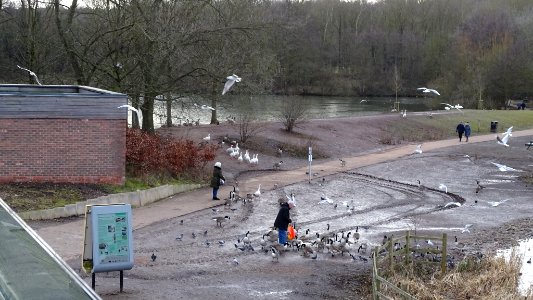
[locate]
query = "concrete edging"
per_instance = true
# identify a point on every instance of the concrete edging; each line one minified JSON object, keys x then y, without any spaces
{"x":136,"y":199}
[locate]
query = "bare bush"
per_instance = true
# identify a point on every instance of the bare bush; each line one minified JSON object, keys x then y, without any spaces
{"x":293,"y":112}
{"x":246,"y":121}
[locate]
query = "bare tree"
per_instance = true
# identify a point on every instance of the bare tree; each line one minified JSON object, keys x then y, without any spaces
{"x":247,"y":120}
{"x":293,"y":112}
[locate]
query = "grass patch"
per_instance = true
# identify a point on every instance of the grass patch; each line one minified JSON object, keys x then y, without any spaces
{"x":490,"y":278}
{"x":35,"y":196}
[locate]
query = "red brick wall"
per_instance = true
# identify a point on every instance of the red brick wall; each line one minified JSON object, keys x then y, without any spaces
{"x":62,"y":150}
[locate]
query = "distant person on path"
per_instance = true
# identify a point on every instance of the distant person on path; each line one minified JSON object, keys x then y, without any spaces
{"x":467,"y":130}
{"x":523,"y":105}
{"x":460,"y":130}
{"x":217,"y":180}
{"x":282,"y":221}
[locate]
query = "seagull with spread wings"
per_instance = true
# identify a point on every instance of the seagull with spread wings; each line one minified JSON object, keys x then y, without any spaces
{"x":229,"y":83}
{"x":137,"y":112}
{"x":456,"y":106}
{"x":31,"y":74}
{"x":426,"y":90}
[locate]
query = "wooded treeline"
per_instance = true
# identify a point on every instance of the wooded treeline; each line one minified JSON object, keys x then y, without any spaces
{"x":475,"y":52}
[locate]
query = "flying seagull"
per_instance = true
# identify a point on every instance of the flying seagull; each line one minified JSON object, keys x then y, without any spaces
{"x":504,"y":168}
{"x":138,"y":112}
{"x":207,"y":107}
{"x":426,"y":90}
{"x":31,"y":74}
{"x":456,"y":106}
{"x":505,"y":139}
{"x":496,"y":203}
{"x":229,"y":83}
{"x":466,"y":228}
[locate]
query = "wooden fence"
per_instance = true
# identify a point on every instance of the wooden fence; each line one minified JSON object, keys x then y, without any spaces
{"x":381,"y":287}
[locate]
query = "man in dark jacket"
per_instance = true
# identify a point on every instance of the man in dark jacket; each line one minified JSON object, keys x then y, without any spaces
{"x":460,"y":130}
{"x":282,"y":221}
{"x":217,"y":179}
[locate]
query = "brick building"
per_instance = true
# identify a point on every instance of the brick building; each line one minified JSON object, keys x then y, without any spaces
{"x":73,"y":134}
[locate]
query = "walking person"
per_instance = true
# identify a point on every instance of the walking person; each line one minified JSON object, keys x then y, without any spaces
{"x":283,"y":219}
{"x":467,"y":130}
{"x":460,"y":130}
{"x":217,"y":180}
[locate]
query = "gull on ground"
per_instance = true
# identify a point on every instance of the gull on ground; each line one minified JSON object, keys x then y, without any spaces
{"x":207,"y":138}
{"x":443,"y":187}
{"x":404,"y":113}
{"x":418,"y":149}
{"x":229,"y":83}
{"x":456,"y":106}
{"x":466,"y":228}
{"x":137,"y":112}
{"x":363,"y":100}
{"x":32,"y":74}
{"x":325,"y":199}
{"x":206,"y":107}
{"x":496,"y":203}
{"x":504,"y":168}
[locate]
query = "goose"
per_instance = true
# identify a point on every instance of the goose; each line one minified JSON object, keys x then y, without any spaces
{"x":220,"y":220}
{"x":280,"y":152}
{"x":230,"y":82}
{"x":529,"y":261}
{"x":254,"y":160}
{"x":404,"y":113}
{"x":356,"y":234}
{"x":466,"y":228}
{"x":277,"y":165}
{"x":421,"y":186}
{"x":258,"y":192}
{"x":230,"y":149}
{"x":418,"y":149}
{"x":153,"y":256}
{"x":443,"y":187}
{"x":240,"y":159}
{"x":247,"y":156}
{"x":234,"y":154}
{"x":343,"y":162}
{"x":458,"y":244}
{"x":263,"y":242}
{"x":208,"y":137}
{"x":237,"y":147}
{"x":275,"y":253}
{"x":32,"y":74}
{"x":245,"y":239}
{"x":479,"y":187}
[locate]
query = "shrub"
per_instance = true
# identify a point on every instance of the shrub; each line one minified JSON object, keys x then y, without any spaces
{"x":148,"y":154}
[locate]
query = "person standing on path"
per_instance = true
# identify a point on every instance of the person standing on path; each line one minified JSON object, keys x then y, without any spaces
{"x":283,"y":219}
{"x":467,"y":130}
{"x":460,"y":130}
{"x":217,"y":180}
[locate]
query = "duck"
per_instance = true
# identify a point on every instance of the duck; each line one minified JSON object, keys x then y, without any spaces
{"x":208,"y":137}
{"x":421,"y":186}
{"x":258,"y":192}
{"x":220,"y":220}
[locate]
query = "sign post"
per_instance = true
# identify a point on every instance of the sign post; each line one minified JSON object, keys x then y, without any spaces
{"x":310,"y":160}
{"x":108,"y":243}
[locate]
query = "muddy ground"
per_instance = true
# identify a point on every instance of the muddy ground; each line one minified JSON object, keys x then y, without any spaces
{"x":386,"y":199}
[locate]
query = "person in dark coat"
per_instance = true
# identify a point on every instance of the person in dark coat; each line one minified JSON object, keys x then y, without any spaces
{"x":217,"y":180}
{"x":467,"y":130}
{"x":460,"y":130}
{"x":283,"y":219}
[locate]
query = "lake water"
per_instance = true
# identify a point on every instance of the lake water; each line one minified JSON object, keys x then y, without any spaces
{"x":524,"y":251}
{"x":266,"y":107}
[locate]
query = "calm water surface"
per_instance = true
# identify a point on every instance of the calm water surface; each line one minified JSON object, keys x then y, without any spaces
{"x":266,"y":107}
